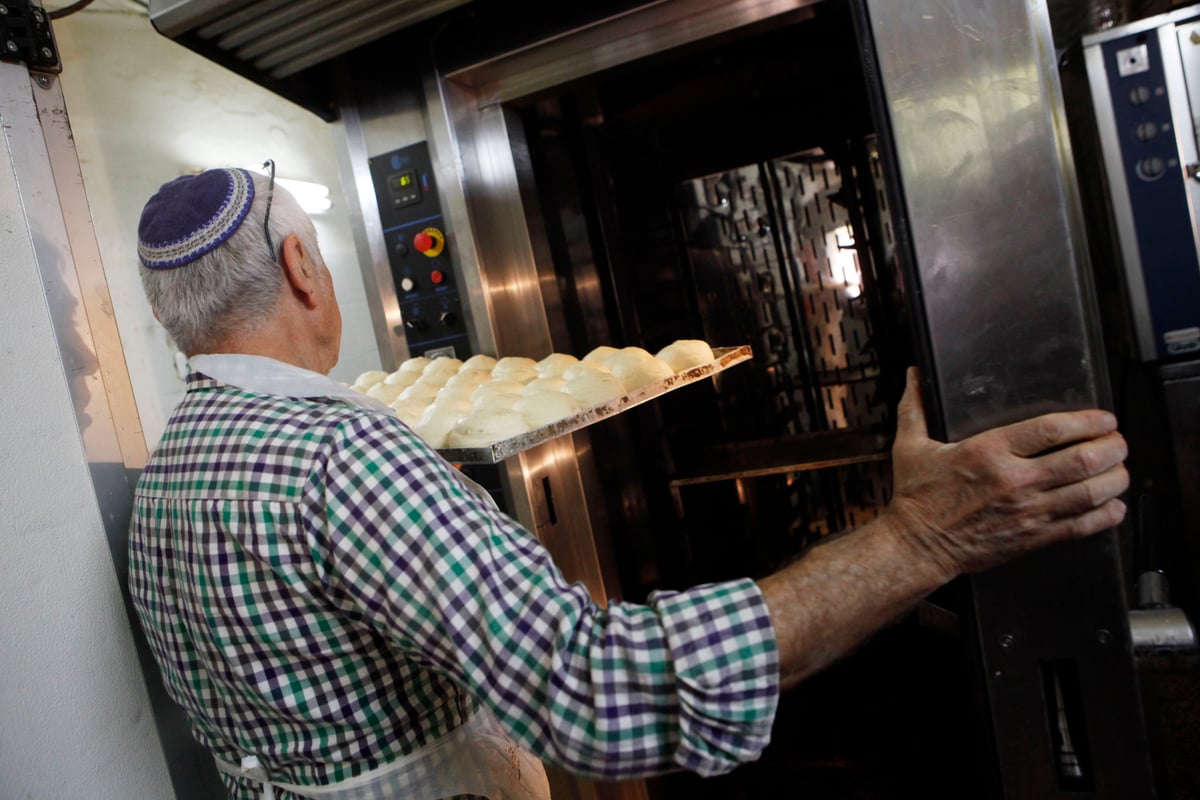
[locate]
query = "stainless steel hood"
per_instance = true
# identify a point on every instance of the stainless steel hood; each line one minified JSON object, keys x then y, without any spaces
{"x":269,"y":41}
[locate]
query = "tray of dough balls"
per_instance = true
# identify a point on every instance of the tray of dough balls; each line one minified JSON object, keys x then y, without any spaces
{"x":484,"y":409}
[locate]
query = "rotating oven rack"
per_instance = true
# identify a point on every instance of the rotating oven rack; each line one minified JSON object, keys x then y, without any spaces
{"x":724,"y":358}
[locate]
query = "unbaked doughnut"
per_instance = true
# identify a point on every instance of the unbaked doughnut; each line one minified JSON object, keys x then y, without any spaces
{"x":385,"y":392}
{"x":636,"y":368}
{"x":554,"y":364}
{"x":686,"y":353}
{"x":544,"y":385}
{"x":416,"y":364}
{"x":442,"y":368}
{"x":368,"y":379}
{"x":594,"y":388}
{"x":600,"y":354}
{"x":480,"y":361}
{"x":543,"y":408}
{"x":487,"y":426}
{"x":435,"y":424}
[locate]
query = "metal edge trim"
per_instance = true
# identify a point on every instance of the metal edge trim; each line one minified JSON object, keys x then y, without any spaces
{"x":173,"y":19}
{"x":1181,"y":119}
{"x":369,"y":240}
{"x":1072,"y":202}
{"x":1142,"y":25}
{"x":89,"y":271}
{"x":1122,"y":209}
{"x":612,"y":41}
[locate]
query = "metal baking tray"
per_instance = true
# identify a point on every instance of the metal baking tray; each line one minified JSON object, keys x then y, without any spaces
{"x":723,"y":358}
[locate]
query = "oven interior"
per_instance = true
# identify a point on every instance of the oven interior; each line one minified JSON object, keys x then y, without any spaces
{"x":732,"y":191}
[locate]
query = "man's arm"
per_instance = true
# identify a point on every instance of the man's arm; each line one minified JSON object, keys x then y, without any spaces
{"x":956,"y":509}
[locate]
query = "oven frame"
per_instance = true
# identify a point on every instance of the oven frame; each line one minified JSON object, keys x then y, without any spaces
{"x":990,"y":355}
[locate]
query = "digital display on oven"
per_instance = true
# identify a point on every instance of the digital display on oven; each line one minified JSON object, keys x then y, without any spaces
{"x":404,"y":189}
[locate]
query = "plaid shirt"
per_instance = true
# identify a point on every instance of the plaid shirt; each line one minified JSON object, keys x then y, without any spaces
{"x":322,"y":590}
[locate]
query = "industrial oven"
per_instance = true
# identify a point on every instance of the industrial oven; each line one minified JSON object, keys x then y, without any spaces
{"x":847,"y":187}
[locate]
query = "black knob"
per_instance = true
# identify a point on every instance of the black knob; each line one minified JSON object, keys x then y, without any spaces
{"x":1151,"y":169}
{"x":415,"y":324}
{"x":1140,"y":95}
{"x":449,"y":318}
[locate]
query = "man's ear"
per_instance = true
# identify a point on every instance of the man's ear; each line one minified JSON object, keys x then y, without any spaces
{"x":299,"y":269}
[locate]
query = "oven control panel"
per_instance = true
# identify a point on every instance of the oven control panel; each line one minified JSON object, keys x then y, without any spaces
{"x":419,"y":252}
{"x":1139,"y":83}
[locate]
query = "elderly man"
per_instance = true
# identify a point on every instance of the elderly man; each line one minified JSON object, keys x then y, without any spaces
{"x":342,"y":614}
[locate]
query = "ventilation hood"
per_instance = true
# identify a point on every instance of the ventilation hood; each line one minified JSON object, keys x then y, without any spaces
{"x":273,"y":42}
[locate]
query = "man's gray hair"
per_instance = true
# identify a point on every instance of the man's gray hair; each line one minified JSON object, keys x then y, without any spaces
{"x":234,"y":287}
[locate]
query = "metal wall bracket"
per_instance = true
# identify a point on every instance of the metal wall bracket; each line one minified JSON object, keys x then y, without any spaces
{"x":25,"y":36}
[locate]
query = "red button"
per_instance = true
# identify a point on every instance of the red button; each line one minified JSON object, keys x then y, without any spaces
{"x":422,"y":241}
{"x":436,"y":276}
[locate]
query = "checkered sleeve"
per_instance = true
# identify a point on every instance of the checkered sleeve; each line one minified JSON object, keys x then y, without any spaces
{"x":689,"y":679}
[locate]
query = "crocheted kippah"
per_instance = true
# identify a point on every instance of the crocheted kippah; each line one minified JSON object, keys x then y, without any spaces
{"x":191,"y":215}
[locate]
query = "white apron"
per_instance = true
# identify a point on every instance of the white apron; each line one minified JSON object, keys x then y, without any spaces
{"x":476,"y":758}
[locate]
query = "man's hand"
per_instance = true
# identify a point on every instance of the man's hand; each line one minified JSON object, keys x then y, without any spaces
{"x":985,"y":500}
{"x":956,"y":508}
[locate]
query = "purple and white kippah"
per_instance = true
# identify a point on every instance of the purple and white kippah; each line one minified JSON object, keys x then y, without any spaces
{"x":191,"y":215}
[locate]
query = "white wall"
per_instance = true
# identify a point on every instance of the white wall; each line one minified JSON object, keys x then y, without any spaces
{"x":145,"y":110}
{"x":75,"y":717}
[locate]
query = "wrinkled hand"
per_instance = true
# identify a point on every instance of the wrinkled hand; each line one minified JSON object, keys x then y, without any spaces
{"x":980,"y":502}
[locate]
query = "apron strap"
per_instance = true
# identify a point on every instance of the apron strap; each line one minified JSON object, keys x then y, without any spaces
{"x":251,"y":769}
{"x":476,"y":758}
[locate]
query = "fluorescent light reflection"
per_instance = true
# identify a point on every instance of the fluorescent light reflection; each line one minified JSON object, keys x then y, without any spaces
{"x":313,"y":197}
{"x":843,"y":262}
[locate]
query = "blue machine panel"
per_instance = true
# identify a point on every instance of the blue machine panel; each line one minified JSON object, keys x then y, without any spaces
{"x":1156,"y":182}
{"x":415,"y":232}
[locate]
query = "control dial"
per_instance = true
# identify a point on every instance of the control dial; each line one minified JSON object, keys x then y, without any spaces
{"x":1151,"y":169}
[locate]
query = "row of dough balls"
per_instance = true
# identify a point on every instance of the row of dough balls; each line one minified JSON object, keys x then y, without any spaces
{"x":483,"y":400}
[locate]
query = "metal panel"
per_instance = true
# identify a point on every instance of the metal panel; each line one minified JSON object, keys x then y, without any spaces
{"x":644,"y":31}
{"x":482,"y":145}
{"x":1122,"y":210}
{"x":971,"y":94}
{"x":110,"y":376}
{"x":382,"y":304}
{"x":1189,"y":54}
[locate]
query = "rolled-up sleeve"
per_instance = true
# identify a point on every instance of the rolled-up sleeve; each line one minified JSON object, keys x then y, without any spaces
{"x":726,"y":673}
